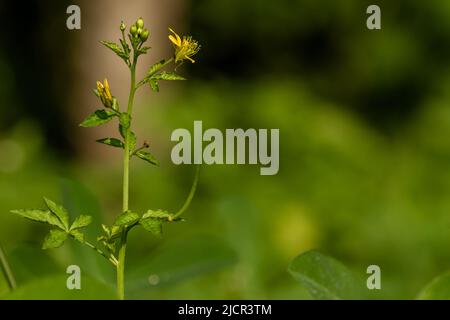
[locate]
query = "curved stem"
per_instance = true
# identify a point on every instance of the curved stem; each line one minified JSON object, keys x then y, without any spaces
{"x":191,"y":194}
{"x":7,"y":270}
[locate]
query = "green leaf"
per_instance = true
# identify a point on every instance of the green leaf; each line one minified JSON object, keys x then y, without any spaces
{"x":152,"y":225}
{"x":43,"y":216}
{"x":59,"y":211}
{"x":156,"y":67}
{"x":437,"y":289}
{"x":99,"y":117}
{"x":154,"y":85}
{"x":324,"y":277}
{"x":147,"y":156}
{"x":143,"y":50}
{"x":54,"y":239}
{"x":78,"y":235}
{"x":158,"y":214}
{"x":116,"y":49}
{"x":126,"y":219}
{"x":167,"y":76}
{"x":113,"y":142}
{"x":125,"y":120}
{"x":81,"y":222}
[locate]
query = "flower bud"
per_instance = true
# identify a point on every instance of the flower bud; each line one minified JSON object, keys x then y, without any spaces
{"x":122,"y":26}
{"x":140,"y":23}
{"x":144,"y":35}
{"x":133,"y":30}
{"x":139,"y":31}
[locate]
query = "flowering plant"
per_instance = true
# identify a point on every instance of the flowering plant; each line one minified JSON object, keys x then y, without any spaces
{"x":112,"y":243}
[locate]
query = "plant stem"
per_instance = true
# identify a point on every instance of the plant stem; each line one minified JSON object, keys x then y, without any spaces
{"x":191,"y":194}
{"x":7,"y":270}
{"x":110,"y":258}
{"x":126,"y":173}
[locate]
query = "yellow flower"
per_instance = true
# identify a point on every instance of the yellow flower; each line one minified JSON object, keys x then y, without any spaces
{"x":104,"y":93}
{"x":184,"y":48}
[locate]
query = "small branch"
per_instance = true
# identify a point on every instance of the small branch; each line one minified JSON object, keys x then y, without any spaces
{"x":111,"y":258}
{"x":191,"y":194}
{"x":7,"y":270}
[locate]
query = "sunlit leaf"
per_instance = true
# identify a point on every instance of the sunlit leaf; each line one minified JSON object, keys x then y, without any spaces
{"x":81,"y":222}
{"x":126,"y":219}
{"x":113,"y":142}
{"x":54,"y":239}
{"x":147,"y":156}
{"x":99,"y":117}
{"x":59,"y":211}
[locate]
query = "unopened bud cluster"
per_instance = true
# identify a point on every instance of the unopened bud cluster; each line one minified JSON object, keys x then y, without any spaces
{"x":138,"y":31}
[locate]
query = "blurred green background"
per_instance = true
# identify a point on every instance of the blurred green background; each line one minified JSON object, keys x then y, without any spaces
{"x":364,"y":119}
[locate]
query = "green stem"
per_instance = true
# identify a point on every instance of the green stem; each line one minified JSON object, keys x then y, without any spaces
{"x":110,"y":258}
{"x":126,"y":170}
{"x":191,"y":194}
{"x":7,"y":270}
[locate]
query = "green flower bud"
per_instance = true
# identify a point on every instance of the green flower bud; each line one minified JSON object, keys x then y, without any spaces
{"x":144,"y":35}
{"x":133,"y":30}
{"x":140,"y":23}
{"x":122,"y":26}
{"x":139,"y":31}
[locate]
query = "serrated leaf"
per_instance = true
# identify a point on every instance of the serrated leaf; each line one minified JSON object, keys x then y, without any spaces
{"x":147,"y":156}
{"x":113,"y":142}
{"x":324,"y":277}
{"x":437,"y":289}
{"x":152,"y":225}
{"x":98,"y":118}
{"x":116,"y":49}
{"x":54,"y":239}
{"x":154,"y":85}
{"x":77,"y":235}
{"x":170,"y":76}
{"x":81,"y":222}
{"x":44,"y":216}
{"x":126,"y":219}
{"x":156,"y":67}
{"x":59,"y":211}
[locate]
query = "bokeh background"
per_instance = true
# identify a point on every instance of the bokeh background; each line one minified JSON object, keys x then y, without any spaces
{"x":364,"y":119}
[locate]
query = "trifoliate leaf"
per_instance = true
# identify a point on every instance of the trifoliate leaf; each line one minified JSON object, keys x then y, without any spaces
{"x":126,"y":218}
{"x":54,"y":239}
{"x":147,"y":156}
{"x":81,"y":222}
{"x":113,"y":142}
{"x":97,"y":118}
{"x":152,"y":225}
{"x":116,"y":49}
{"x":77,"y":235}
{"x":167,"y":76}
{"x":44,"y":216}
{"x":59,"y":211}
